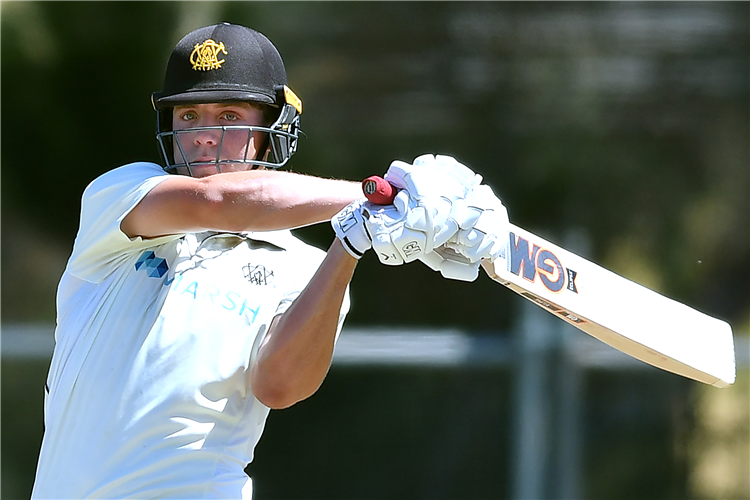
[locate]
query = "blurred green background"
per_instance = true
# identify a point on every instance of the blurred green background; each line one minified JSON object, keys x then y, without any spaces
{"x":620,"y":130}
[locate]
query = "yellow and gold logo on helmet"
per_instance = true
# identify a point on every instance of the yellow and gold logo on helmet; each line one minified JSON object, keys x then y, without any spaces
{"x":205,"y":56}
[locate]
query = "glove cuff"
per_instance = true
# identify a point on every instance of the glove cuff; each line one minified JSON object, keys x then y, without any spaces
{"x":349,"y":227}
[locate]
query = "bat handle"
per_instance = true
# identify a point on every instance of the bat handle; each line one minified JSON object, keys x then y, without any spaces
{"x":379,"y":190}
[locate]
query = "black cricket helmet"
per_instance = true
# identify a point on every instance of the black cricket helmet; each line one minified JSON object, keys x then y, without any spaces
{"x":228,"y":63}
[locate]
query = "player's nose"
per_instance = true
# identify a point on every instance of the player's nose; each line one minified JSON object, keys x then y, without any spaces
{"x":207,"y":137}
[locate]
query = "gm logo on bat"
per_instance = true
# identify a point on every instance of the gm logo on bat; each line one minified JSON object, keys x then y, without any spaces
{"x":528,"y":260}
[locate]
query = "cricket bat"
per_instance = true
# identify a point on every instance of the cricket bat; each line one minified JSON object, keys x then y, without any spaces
{"x":629,"y":317}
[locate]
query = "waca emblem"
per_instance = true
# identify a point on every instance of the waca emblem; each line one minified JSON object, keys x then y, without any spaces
{"x":257,"y":275}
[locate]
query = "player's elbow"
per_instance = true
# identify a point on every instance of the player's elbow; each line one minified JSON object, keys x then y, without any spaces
{"x":278,"y":396}
{"x":279,"y":389}
{"x":274,"y":399}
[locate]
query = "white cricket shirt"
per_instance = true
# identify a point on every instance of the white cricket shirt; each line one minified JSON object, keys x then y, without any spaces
{"x":149,"y":387}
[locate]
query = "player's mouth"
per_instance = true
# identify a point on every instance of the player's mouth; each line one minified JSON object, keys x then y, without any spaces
{"x":204,"y":159}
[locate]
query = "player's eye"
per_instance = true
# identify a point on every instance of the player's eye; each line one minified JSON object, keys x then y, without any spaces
{"x":189,"y":116}
{"x":230,"y":116}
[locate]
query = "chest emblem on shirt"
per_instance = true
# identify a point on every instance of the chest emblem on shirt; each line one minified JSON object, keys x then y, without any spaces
{"x":155,"y":267}
{"x":257,"y":275}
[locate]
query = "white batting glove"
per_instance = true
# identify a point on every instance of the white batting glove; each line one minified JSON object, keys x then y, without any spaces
{"x":432,"y":185}
{"x":451,"y":264}
{"x":393,"y":240}
{"x":362,"y":225}
{"x":402,"y":232}
{"x":488,"y":237}
{"x":482,"y":235}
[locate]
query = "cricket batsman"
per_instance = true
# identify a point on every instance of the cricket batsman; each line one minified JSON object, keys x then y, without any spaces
{"x":188,"y":310}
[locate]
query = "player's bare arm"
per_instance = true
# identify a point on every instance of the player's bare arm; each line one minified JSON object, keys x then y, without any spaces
{"x":256,"y":200}
{"x":296,"y":353}
{"x":226,"y":120}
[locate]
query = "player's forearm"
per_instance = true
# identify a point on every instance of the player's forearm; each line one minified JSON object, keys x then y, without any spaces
{"x":296,"y":353}
{"x":257,"y":200}
{"x":270,"y":200}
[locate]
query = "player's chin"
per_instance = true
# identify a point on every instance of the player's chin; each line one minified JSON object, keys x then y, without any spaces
{"x":239,"y":167}
{"x":198,"y":170}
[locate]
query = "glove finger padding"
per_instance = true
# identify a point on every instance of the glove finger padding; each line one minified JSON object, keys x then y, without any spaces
{"x":433,"y":176}
{"x":405,"y":244}
{"x":416,"y":217}
{"x":433,"y":215}
{"x":392,"y":240}
{"x":465,"y":215}
{"x":449,"y":220}
{"x":476,"y":245}
{"x":459,"y":216}
{"x":429,"y":190}
{"x":487,"y":237}
{"x":454,"y":168}
{"x":447,"y":165}
{"x":482,"y":223}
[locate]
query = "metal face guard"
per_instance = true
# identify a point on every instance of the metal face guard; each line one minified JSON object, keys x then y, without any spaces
{"x":281,"y":142}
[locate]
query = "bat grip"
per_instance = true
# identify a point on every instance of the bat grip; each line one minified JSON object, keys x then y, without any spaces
{"x":379,"y":190}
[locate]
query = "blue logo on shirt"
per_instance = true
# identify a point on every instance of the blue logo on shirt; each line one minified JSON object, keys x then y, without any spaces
{"x":154,"y":266}
{"x":212,"y":295}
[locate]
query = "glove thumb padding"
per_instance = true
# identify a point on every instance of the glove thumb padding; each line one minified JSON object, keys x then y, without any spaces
{"x":460,"y":271}
{"x":451,"y":264}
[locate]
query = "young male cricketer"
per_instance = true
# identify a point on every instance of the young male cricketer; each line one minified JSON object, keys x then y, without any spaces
{"x":187,"y":309}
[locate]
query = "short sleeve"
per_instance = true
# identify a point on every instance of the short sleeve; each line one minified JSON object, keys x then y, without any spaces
{"x":100,"y":245}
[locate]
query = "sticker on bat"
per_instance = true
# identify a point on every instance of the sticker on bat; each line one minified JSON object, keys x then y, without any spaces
{"x":530,"y":260}
{"x":553,"y":308}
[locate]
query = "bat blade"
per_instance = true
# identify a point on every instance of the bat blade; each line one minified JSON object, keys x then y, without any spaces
{"x":629,"y":317}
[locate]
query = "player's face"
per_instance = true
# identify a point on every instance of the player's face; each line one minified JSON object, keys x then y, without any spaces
{"x":204,"y":145}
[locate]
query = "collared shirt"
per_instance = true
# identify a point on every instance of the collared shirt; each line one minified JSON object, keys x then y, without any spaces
{"x":149,"y":389}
